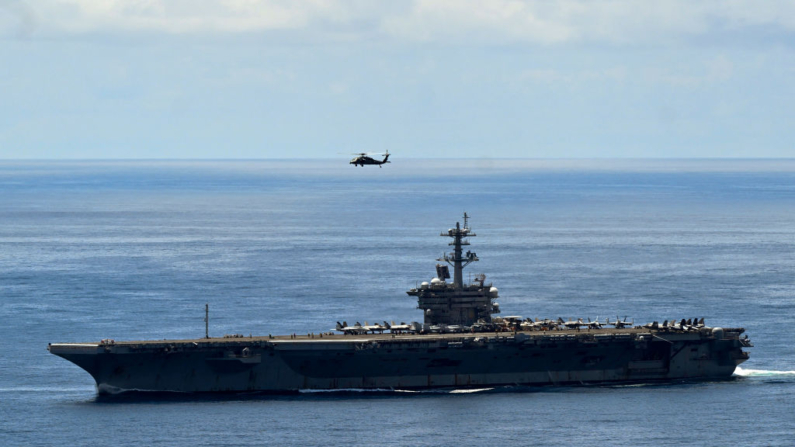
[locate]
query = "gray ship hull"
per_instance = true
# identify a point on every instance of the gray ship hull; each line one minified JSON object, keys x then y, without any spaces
{"x":285,"y":364}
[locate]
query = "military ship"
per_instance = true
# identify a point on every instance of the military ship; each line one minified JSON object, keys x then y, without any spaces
{"x":459,"y":344}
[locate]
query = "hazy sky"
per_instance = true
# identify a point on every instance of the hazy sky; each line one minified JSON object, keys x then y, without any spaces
{"x":447,"y":78}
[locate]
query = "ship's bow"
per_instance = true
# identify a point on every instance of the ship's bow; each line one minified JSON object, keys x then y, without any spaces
{"x":84,"y":355}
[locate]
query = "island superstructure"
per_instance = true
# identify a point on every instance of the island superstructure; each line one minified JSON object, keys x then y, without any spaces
{"x":456,"y":304}
{"x":460,"y":343}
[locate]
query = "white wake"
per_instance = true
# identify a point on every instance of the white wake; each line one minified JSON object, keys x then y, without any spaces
{"x":470,"y":390}
{"x":742,"y":372}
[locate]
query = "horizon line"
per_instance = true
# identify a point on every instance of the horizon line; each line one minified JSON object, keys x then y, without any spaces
{"x":412,"y":158}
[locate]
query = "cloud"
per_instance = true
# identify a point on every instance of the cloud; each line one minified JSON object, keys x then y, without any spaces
{"x":320,"y":18}
{"x":17,"y":18}
{"x":480,"y":20}
{"x":421,"y":21}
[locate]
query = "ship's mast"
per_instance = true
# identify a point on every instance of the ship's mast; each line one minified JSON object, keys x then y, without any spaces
{"x":457,"y":258}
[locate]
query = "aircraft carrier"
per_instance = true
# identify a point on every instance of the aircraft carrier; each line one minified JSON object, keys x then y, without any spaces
{"x":460,"y":344}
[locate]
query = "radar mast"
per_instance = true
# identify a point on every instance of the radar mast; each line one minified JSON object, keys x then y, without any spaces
{"x":457,"y":258}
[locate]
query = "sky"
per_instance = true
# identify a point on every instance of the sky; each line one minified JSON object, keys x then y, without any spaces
{"x":243,"y":79}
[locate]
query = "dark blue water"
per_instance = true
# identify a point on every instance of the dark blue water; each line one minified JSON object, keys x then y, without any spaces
{"x":133,"y":250}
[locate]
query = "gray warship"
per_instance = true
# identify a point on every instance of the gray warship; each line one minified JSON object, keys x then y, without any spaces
{"x":459,"y":344}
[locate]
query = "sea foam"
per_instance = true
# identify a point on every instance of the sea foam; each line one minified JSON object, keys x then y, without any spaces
{"x":761,"y":373}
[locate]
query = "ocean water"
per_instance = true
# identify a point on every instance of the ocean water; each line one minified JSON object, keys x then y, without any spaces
{"x":133,"y":250}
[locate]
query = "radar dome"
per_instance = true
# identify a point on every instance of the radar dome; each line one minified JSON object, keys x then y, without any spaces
{"x":435,"y":281}
{"x":494,"y":292}
{"x":424,"y":285}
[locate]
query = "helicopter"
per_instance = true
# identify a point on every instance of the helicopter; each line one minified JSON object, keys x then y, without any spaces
{"x":363,"y":158}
